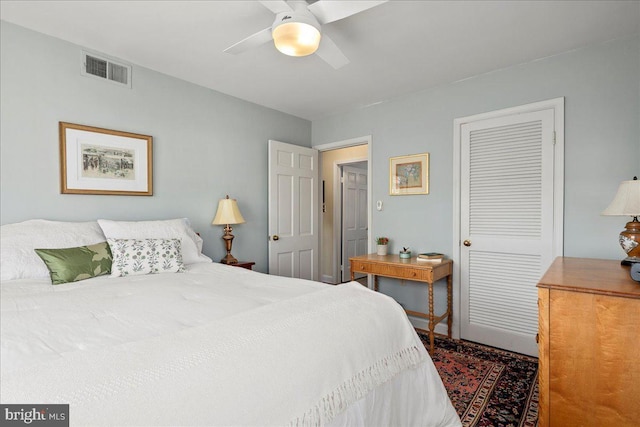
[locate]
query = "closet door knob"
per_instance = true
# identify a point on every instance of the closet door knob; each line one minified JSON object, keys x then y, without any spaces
{"x":467,"y":243}
{"x":275,"y":237}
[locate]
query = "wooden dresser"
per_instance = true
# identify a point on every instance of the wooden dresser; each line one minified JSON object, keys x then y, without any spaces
{"x":589,"y":344}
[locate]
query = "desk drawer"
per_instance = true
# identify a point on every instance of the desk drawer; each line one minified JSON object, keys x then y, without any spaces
{"x":411,"y":274}
{"x":393,"y":271}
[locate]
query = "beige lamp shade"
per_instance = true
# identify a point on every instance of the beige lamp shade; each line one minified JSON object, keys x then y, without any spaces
{"x":228,"y":212}
{"x":627,"y":200}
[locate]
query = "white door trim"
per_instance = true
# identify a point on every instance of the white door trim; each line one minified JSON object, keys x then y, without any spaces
{"x":363,"y":140}
{"x":558,"y":198}
{"x":345,"y":143}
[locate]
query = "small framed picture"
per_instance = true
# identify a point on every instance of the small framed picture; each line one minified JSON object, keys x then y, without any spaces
{"x":409,"y":175}
{"x":102,"y":161}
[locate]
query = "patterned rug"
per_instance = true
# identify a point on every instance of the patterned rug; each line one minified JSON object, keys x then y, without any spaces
{"x":487,"y":386}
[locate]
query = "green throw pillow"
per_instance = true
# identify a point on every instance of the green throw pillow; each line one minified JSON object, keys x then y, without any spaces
{"x":74,"y":264}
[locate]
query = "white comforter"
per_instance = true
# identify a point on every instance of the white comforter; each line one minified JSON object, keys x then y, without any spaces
{"x":216,"y":345}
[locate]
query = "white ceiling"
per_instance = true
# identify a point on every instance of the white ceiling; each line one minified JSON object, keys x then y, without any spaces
{"x":396,"y":48}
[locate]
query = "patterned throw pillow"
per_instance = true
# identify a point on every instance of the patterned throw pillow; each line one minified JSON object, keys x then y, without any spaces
{"x":74,"y":264}
{"x":145,"y":256}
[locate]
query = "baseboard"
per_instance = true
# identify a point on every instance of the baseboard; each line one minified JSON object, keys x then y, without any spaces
{"x":420,"y":323}
{"x":325,"y":278}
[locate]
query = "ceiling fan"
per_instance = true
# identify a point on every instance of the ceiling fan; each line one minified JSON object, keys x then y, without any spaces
{"x":297,"y":28}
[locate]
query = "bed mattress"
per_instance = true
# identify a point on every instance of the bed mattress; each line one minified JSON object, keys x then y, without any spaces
{"x":216,"y":345}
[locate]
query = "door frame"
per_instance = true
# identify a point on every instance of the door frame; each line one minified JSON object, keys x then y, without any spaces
{"x":557,"y":104}
{"x":363,"y":140}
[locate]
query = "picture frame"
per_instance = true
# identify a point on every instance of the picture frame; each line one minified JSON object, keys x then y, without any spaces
{"x":409,"y":174}
{"x":106,"y":162}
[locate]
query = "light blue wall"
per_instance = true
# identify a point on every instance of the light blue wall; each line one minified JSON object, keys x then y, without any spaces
{"x":601,"y":86}
{"x":206,"y":144}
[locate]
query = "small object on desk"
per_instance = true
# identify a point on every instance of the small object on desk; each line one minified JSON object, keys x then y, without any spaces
{"x":383,"y":245}
{"x":431,"y":255}
{"x":430,"y":260}
{"x":405,"y":253}
{"x":243,"y":264}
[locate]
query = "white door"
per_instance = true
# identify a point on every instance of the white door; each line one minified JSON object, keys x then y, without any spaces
{"x":506,"y":226}
{"x":355,"y":232}
{"x":293,"y":211}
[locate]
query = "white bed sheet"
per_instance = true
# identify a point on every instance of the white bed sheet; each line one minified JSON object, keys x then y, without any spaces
{"x":92,"y":329}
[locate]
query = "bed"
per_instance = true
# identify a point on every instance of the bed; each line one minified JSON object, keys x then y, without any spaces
{"x":201,"y":343}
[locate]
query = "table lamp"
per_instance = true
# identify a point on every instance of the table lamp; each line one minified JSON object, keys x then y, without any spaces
{"x":228,"y":213}
{"x":627,"y":203}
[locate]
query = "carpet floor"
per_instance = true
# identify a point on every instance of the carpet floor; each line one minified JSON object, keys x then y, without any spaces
{"x":487,"y":386}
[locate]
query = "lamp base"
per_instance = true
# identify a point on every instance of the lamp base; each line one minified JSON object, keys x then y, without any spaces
{"x":228,"y":241}
{"x":630,"y":260}
{"x":229,"y":259}
{"x":629,"y":240}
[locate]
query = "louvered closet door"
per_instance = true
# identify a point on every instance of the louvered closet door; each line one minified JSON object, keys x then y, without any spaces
{"x":506,"y":227}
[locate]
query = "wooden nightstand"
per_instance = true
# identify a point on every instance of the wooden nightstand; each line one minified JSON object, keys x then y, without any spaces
{"x":244,"y":264}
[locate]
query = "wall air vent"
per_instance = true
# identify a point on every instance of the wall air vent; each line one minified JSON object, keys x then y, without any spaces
{"x":105,"y":69}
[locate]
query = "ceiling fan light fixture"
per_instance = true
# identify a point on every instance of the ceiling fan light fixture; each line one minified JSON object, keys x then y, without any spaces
{"x":296,"y":37}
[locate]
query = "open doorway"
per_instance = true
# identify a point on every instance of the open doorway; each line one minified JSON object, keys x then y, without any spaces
{"x":343,"y":234}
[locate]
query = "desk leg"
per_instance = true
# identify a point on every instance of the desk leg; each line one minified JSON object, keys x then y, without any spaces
{"x":449,"y":304}
{"x":375,"y":283}
{"x":431,"y":318}
{"x":353,"y":274}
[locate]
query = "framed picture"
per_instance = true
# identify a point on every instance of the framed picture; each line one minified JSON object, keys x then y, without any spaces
{"x":103,"y":161}
{"x":409,"y":175}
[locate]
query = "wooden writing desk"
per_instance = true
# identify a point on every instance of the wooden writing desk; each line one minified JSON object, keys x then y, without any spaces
{"x":410,"y":269}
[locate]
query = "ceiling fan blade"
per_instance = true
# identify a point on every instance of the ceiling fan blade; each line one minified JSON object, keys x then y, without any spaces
{"x":255,"y":40}
{"x":330,"y":53}
{"x":277,"y":6}
{"x":330,"y":10}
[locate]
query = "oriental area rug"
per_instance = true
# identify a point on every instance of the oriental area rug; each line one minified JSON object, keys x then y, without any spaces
{"x":487,"y":386}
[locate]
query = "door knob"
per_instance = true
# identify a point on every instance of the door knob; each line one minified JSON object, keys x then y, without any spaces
{"x":275,"y":237}
{"x":467,"y":243}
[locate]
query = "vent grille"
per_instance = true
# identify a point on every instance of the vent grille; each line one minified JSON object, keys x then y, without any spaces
{"x":96,"y":66}
{"x":118,"y":73}
{"x":106,"y":69}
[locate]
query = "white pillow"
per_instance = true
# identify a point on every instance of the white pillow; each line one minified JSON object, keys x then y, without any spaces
{"x":167,"y":229}
{"x":145,"y":256}
{"x":18,"y":260}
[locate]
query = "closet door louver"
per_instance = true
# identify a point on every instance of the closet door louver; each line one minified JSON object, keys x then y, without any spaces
{"x":507,"y":219}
